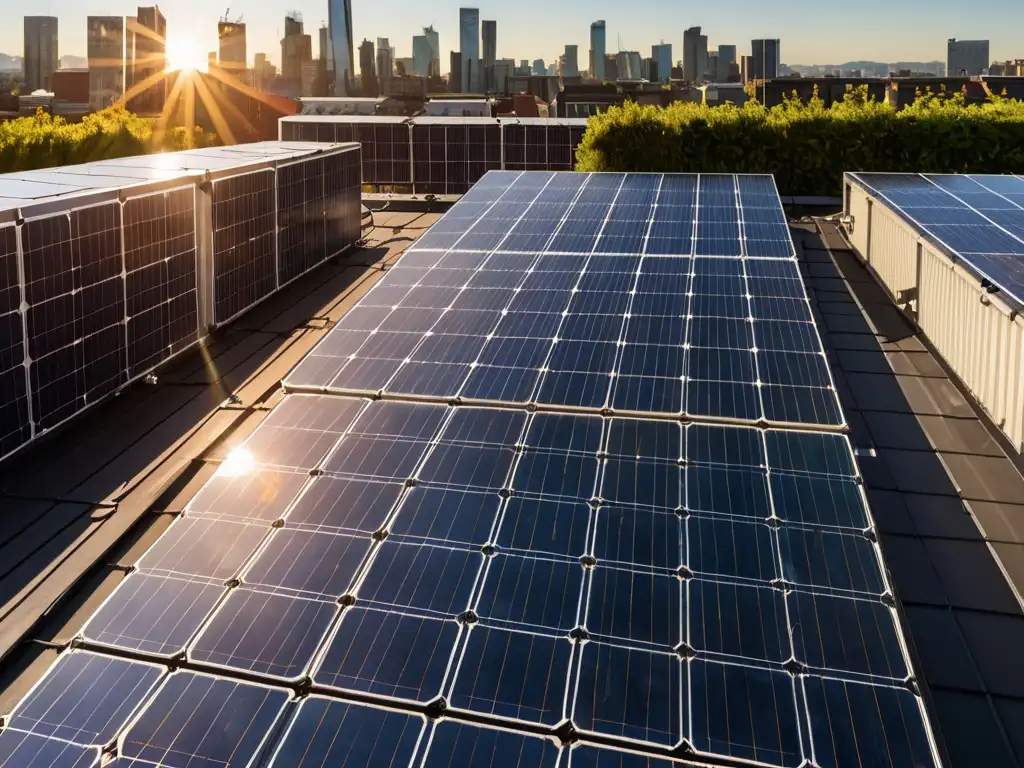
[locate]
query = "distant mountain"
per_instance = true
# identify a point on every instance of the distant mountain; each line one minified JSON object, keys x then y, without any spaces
{"x":9,"y":63}
{"x":73,"y":62}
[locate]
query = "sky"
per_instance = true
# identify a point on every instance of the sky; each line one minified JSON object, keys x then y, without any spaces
{"x":827,"y":32}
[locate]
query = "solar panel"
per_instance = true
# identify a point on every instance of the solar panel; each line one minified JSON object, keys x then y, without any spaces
{"x":15,"y":421}
{"x":977,"y":219}
{"x":243,"y":242}
{"x":460,"y":582}
{"x":640,"y":293}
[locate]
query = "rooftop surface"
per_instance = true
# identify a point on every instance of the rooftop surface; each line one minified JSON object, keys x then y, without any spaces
{"x":81,"y":506}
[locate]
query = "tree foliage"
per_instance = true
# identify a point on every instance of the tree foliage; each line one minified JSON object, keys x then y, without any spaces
{"x":806,"y":145}
{"x":44,"y":141}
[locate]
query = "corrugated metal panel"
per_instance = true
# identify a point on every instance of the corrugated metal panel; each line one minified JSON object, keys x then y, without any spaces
{"x":893,"y":254}
{"x":981,"y":340}
{"x":980,"y":337}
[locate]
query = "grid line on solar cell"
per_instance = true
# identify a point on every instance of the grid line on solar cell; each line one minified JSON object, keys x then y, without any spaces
{"x":15,"y":403}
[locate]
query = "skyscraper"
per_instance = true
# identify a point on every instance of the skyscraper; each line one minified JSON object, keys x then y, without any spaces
{"x":597,"y":50}
{"x":367,"y":71}
{"x":489,"y":31}
{"x":385,"y":65}
{"x":570,"y":61}
{"x":964,"y":57}
{"x":455,"y":72}
{"x":469,"y":48}
{"x":106,"y":50}
{"x":232,"y":48}
{"x":662,"y":56}
{"x":695,"y":54}
{"x":764,"y":58}
{"x":726,"y":58}
{"x":539,"y":67}
{"x":296,"y":56}
{"x":41,"y":59}
{"x":147,"y":61}
{"x":434,"y":70}
{"x":420,"y":55}
{"x":340,"y":65}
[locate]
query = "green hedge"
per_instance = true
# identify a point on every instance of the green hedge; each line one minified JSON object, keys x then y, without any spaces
{"x":43,"y":141}
{"x":806,"y":146}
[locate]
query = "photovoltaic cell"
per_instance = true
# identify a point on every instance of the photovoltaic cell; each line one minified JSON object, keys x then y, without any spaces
{"x":15,"y":425}
{"x":454,"y":743}
{"x":326,"y":732}
{"x":85,"y":699}
{"x":31,"y":751}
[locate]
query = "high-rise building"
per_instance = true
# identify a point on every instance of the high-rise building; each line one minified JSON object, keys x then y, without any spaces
{"x":570,"y":61}
{"x":41,"y":58}
{"x":662,"y":56}
{"x":629,"y":65}
{"x":263,"y":72}
{"x":711,"y":70}
{"x":764,"y":58}
{"x":503,"y":70}
{"x":695,"y":54}
{"x":489,"y":33}
{"x":420,"y":55}
{"x":746,"y":68}
{"x":455,"y":72}
{"x":597,"y":50}
{"x":367,"y":69}
{"x":385,"y":65}
{"x":340,"y":67}
{"x":966,"y":57}
{"x":469,"y":47}
{"x":611,"y":67}
{"x":434,"y":43}
{"x":726,"y":58}
{"x":146,"y":61}
{"x":106,"y":51}
{"x":232,"y":48}
{"x":296,"y":57}
{"x":539,"y":67}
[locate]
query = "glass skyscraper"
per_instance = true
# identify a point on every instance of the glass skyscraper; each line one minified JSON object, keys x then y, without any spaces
{"x":469,"y":48}
{"x":597,"y":50}
{"x":340,"y":66}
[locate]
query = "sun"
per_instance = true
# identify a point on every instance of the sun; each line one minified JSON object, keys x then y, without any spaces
{"x":183,"y":53}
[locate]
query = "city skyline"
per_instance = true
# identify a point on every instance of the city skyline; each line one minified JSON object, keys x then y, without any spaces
{"x":808,"y":37}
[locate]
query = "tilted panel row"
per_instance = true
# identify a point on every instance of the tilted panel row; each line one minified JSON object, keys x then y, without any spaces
{"x":444,"y":156}
{"x":99,"y":289}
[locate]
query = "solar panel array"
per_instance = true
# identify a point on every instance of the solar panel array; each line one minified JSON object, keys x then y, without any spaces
{"x":405,"y":581}
{"x":978,"y":219}
{"x":444,"y":155}
{"x":100,"y":276}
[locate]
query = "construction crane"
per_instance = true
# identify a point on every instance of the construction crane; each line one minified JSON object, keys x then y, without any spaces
{"x":227,"y":17}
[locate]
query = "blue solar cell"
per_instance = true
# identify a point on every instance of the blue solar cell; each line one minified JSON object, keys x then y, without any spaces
{"x":300,"y":431}
{"x":733,"y":446}
{"x":830,"y":560}
{"x":857,"y":725}
{"x":823,"y":627}
{"x":446,"y":516}
{"x":630,"y":693}
{"x":27,"y":750}
{"x":513,"y":675}
{"x":638,"y":537}
{"x":643,"y":483}
{"x":531,"y":592}
{"x":544,"y":526}
{"x":154,"y":614}
{"x":810,"y":452}
{"x":468,"y":466}
{"x":271,"y":634}
{"x":731,"y":548}
{"x":336,"y":504}
{"x":257,"y":494}
{"x":722,"y":398}
{"x":738,"y":620}
{"x":635,"y":608}
{"x":720,"y":490}
{"x":390,"y":654}
{"x":588,"y":756}
{"x":453,"y":743}
{"x":745,"y":713}
{"x":200,"y":546}
{"x":429,"y":578}
{"x":85,"y":699}
{"x":174,"y":730}
{"x":325,"y":732}
{"x":556,"y":475}
{"x":819,"y":500}
{"x":309,"y":563}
